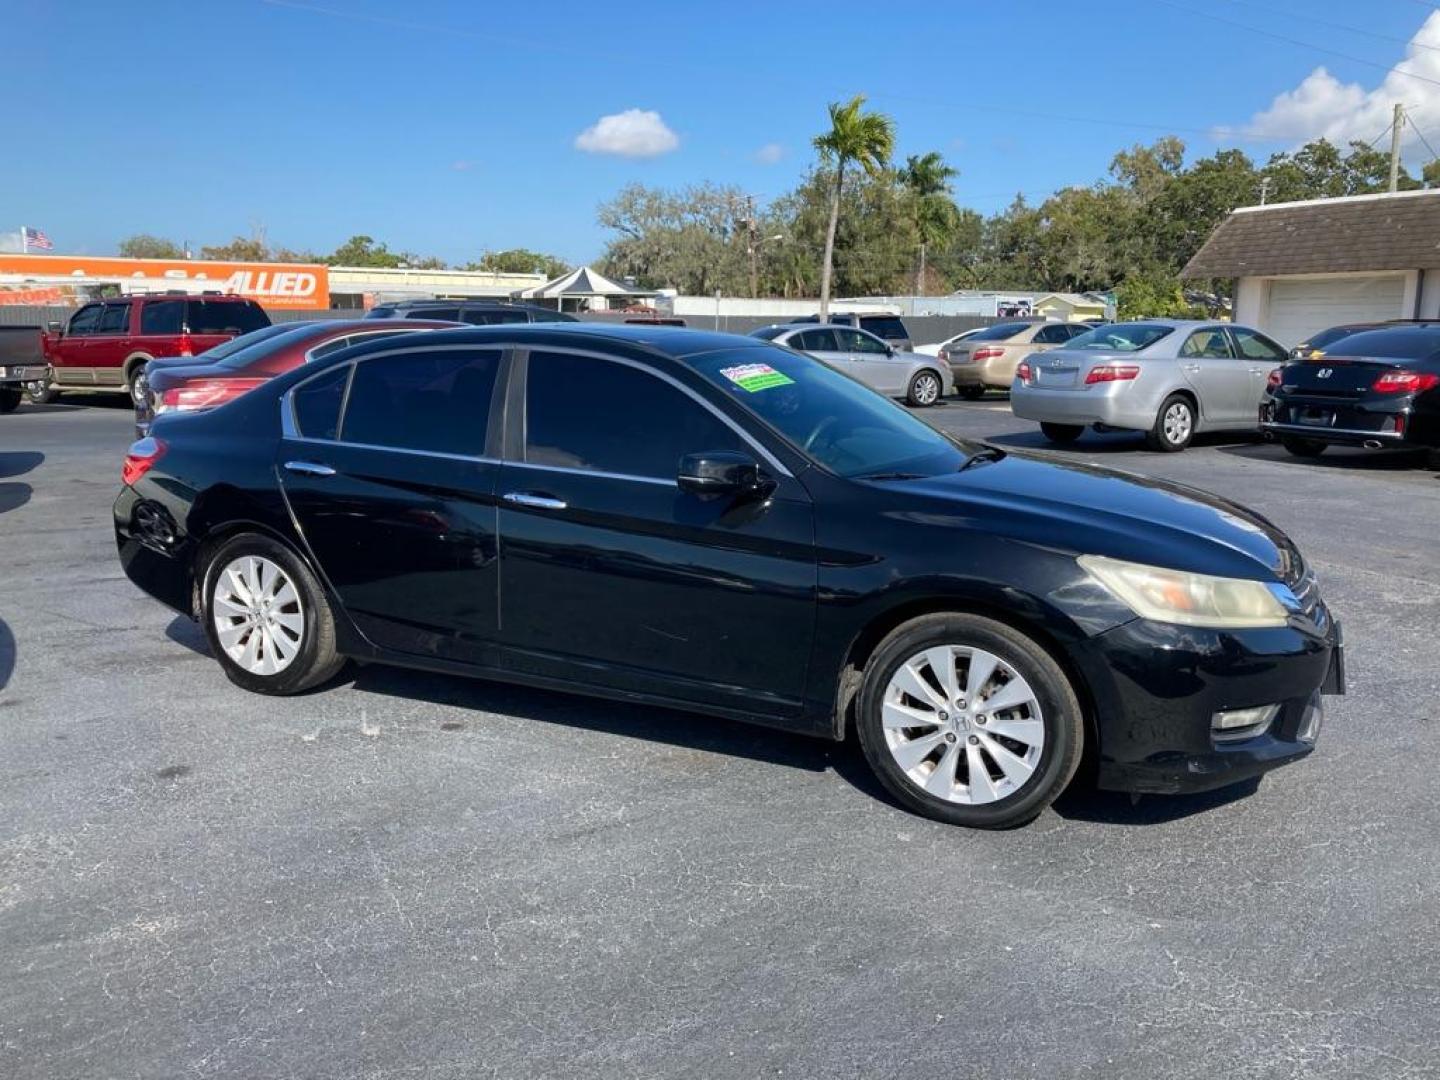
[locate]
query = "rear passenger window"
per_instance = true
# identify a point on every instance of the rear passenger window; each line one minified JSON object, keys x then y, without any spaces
{"x":162,"y":316}
{"x":1052,"y":335}
{"x":115,"y":319}
{"x":425,"y":400}
{"x":816,"y":341}
{"x":585,"y":413}
{"x":317,"y":403}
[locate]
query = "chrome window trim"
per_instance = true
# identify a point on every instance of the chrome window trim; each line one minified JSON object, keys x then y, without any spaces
{"x":602,"y":474}
{"x":472,"y":458}
{"x":351,"y":338}
{"x":745,"y":436}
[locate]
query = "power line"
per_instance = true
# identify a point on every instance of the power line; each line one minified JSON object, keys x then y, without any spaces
{"x":1341,"y":26}
{"x":1421,"y":134}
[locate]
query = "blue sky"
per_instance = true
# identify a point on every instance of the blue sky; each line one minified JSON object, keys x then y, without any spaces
{"x":448,"y":127}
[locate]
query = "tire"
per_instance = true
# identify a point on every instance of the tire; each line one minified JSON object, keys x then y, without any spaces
{"x":1061,"y":433}
{"x":1303,"y":448}
{"x":972,"y":393}
{"x":1047,"y":715}
{"x":10,"y":398}
{"x":42,"y":392}
{"x":133,"y":386}
{"x":925,"y":389}
{"x":312,"y":660}
{"x":1174,"y":425}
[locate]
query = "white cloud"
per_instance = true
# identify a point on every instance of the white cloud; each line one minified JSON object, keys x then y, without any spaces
{"x":632,"y":133}
{"x":770,"y":153}
{"x":1323,"y":106}
{"x":10,"y":242}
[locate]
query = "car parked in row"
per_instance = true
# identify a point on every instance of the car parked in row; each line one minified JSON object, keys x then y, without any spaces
{"x":1165,"y":377}
{"x":106,"y":344}
{"x":1375,"y":388}
{"x":987,"y":360}
{"x":784,"y":547}
{"x":471,"y":312}
{"x":240,"y":365}
{"x":920,"y":380}
{"x":885,"y":325}
{"x":935,"y":347}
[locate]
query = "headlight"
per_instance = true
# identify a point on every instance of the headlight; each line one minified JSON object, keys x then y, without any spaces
{"x":1174,"y":596}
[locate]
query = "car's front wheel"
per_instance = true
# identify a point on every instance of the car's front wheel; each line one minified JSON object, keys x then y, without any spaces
{"x":924,"y":389}
{"x":1307,"y":448}
{"x":1061,"y":433}
{"x":267,"y":618}
{"x":968,"y":721}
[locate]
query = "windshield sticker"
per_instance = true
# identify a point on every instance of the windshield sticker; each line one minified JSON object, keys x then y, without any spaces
{"x":753,"y":377}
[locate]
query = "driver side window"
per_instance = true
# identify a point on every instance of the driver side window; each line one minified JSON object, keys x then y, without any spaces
{"x":83,"y":322}
{"x":855,"y":341}
{"x":1255,"y":346}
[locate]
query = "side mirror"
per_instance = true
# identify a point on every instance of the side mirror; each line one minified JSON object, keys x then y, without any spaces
{"x":723,"y":472}
{"x":54,"y":326}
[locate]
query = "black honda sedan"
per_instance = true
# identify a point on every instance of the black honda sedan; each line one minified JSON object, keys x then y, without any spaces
{"x":717,"y":524}
{"x":1376,"y":388}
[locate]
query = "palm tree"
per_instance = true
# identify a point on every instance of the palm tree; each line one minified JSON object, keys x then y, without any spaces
{"x":927,"y":179}
{"x":866,"y":138}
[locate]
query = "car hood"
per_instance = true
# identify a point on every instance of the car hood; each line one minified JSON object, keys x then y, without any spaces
{"x":1087,"y":510}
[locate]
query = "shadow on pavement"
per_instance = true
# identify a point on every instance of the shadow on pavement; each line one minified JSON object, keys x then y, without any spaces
{"x":13,"y":496}
{"x":1118,"y":808}
{"x":187,"y":632}
{"x":19,"y":462}
{"x":1121,"y":442}
{"x":1336,"y":457}
{"x":7,"y":654}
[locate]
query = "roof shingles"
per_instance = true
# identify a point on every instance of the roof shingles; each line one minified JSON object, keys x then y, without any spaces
{"x":1324,"y":237}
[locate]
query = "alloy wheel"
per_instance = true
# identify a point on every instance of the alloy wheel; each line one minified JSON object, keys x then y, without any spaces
{"x":259,"y":620}
{"x":1177,"y":423}
{"x":927,"y":389}
{"x":963,"y":724}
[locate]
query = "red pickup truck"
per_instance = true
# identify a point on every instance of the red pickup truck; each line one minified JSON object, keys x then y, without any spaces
{"x":107,"y":343}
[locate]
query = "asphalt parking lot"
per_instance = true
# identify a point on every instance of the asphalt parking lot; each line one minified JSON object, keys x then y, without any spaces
{"x":416,"y":875}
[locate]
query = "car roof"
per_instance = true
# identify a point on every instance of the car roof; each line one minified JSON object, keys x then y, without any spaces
{"x":803,"y":326}
{"x":480,"y":301}
{"x":635,"y":339}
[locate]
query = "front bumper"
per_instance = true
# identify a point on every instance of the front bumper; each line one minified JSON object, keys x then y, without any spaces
{"x":1157,"y":687}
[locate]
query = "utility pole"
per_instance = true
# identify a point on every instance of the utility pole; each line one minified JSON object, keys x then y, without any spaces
{"x":751,"y":248}
{"x":1264,"y":189}
{"x":1395,"y":147}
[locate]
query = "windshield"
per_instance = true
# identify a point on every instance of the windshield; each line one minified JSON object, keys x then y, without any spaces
{"x":845,"y":426}
{"x":1000,"y":331}
{"x":259,"y":347}
{"x":1120,"y":337}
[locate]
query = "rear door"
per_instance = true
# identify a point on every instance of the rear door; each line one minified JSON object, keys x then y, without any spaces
{"x":822,"y":344}
{"x":611,"y":574}
{"x":1220,"y":379}
{"x":111,"y":343}
{"x":396,"y":497}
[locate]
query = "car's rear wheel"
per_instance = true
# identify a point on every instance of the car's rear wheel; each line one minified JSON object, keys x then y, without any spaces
{"x":968,"y":721}
{"x":972,"y":393}
{"x":1307,"y":448}
{"x":1061,"y":433}
{"x":267,"y":618}
{"x":1174,"y":425}
{"x":10,"y":398}
{"x":924,"y":389}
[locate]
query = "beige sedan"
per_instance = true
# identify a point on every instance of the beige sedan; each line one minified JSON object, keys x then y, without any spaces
{"x":988,"y":359}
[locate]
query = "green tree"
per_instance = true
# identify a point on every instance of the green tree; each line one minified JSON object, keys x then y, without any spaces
{"x":241,"y":249}
{"x":362,"y":250}
{"x":145,"y":246}
{"x":926,"y":178}
{"x":520,"y":261}
{"x":692,"y":240}
{"x":866,"y":138}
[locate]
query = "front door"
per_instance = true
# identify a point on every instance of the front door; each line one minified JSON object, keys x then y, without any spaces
{"x":873,"y":362}
{"x":1221,"y":381}
{"x":396,"y":498}
{"x":70,"y":356}
{"x":610,"y":574}
{"x":1260,"y":355}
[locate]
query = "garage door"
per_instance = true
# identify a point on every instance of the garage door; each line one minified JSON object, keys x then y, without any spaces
{"x":1300,"y":306}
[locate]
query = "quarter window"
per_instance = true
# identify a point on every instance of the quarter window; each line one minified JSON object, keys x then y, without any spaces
{"x":162,"y":316}
{"x":436,"y":401}
{"x":582,"y":412}
{"x":317,"y":403}
{"x":83,"y":322}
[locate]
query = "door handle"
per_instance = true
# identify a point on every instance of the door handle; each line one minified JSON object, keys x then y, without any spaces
{"x":309,"y":468}
{"x":1191,"y":368}
{"x":538,"y":502}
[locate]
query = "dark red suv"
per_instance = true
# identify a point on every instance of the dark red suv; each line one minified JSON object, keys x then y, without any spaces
{"x":106,"y":344}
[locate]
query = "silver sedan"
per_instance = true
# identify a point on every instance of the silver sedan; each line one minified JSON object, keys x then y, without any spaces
{"x":920,"y":380}
{"x":1168,"y":378}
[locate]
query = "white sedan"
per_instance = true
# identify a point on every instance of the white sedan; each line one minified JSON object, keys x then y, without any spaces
{"x":934,"y":350}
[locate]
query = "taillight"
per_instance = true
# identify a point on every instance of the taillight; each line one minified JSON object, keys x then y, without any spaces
{"x":187,"y":347}
{"x":988,"y":352}
{"x":1111,"y":373}
{"x":203,"y":394}
{"x":1272,"y":381}
{"x":1401,"y":381}
{"x":1022,"y":372}
{"x":141,"y":458}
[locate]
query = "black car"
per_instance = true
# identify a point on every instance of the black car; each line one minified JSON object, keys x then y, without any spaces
{"x":1381,"y":388}
{"x":474,"y":312}
{"x":715,"y":524}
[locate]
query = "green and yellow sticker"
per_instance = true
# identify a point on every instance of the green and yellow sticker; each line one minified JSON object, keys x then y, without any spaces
{"x":753,"y":377}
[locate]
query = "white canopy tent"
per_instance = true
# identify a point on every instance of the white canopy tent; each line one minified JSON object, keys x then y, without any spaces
{"x":579,"y":289}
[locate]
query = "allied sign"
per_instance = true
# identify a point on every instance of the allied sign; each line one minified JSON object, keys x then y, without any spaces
{"x":302,"y":286}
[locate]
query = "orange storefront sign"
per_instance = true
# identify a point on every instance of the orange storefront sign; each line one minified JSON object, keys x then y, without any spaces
{"x":303,"y":286}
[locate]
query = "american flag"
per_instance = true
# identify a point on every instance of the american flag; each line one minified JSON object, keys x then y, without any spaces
{"x":34,"y":238}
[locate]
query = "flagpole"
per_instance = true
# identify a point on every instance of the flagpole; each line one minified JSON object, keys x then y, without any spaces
{"x":24,"y":243}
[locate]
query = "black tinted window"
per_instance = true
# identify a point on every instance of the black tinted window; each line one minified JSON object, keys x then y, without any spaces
{"x":768,"y":333}
{"x":83,"y":321}
{"x":448,"y":314}
{"x":492,"y":316}
{"x":381,"y":313}
{"x":1400,"y":343}
{"x":585,"y":413}
{"x":223,"y":317}
{"x":888,"y":327}
{"x":317,"y":403}
{"x":815,"y":341}
{"x":423,"y":400}
{"x":1000,"y":331}
{"x":115,"y":319}
{"x":857,"y":341}
{"x":1329,"y":337}
{"x":162,"y":316}
{"x":1051,"y":335}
